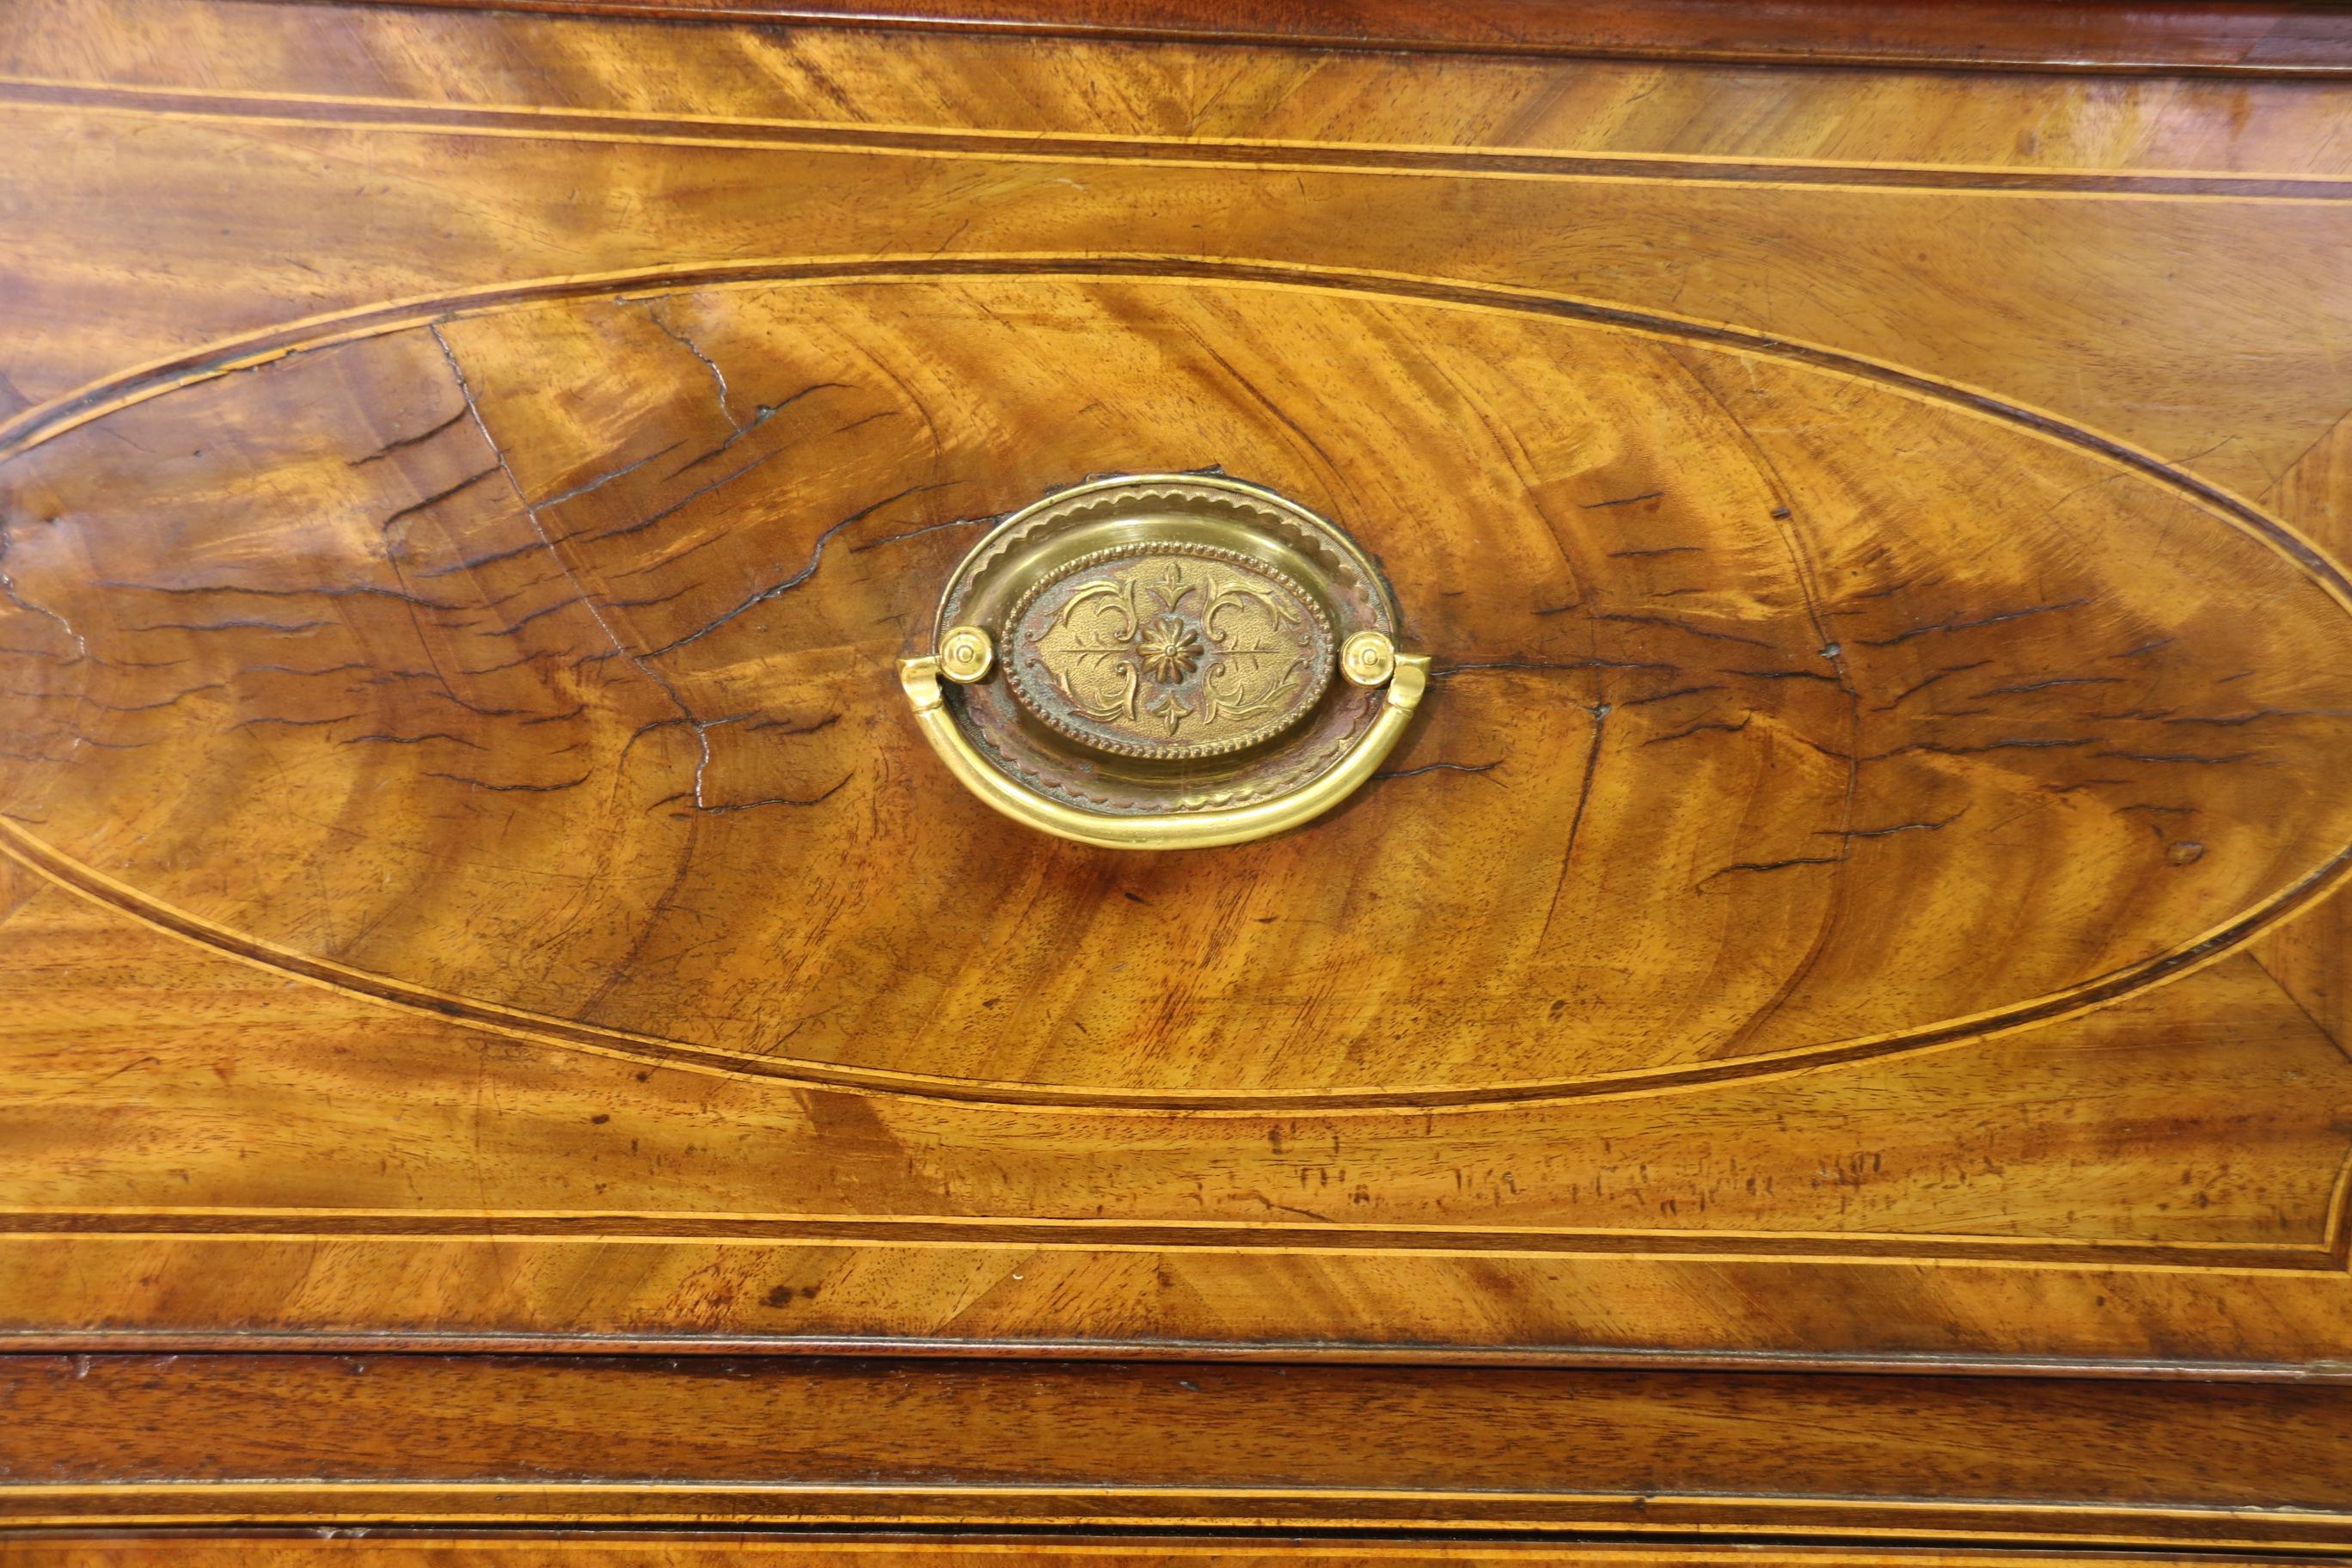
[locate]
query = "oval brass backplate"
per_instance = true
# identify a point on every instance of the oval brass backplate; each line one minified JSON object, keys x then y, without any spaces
{"x":1164,"y":661}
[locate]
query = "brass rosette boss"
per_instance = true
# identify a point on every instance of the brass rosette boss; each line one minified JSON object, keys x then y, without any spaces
{"x":1164,"y":661}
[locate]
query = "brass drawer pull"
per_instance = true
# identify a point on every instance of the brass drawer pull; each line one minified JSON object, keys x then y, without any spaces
{"x":1164,"y":661}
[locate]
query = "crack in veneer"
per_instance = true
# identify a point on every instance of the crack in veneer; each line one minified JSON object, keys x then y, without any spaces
{"x":42,"y":424}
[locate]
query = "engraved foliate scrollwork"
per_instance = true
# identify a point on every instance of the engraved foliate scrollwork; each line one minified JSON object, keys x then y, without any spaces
{"x":1170,"y":650}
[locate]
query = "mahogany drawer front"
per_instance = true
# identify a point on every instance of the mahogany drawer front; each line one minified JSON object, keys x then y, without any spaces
{"x":1860,"y":890}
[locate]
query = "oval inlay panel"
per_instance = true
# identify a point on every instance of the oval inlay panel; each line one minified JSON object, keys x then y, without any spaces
{"x":537,"y":666}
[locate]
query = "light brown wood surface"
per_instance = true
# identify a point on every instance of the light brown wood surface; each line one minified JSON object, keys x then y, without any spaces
{"x":125,"y":1551}
{"x":273,"y":1440}
{"x":1862,"y":890}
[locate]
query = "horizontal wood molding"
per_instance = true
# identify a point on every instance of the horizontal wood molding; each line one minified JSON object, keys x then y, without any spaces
{"x":1982,"y":35}
{"x":434,"y":1440}
{"x":265,"y":1548}
{"x":278,"y":1548}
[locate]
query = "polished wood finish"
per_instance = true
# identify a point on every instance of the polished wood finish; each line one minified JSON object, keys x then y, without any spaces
{"x":648,"y":1549}
{"x":655,"y":666}
{"x":1862,"y":896}
{"x":708,"y":1440}
{"x":2226,"y":38}
{"x":1870,"y":754}
{"x":289,"y":1245}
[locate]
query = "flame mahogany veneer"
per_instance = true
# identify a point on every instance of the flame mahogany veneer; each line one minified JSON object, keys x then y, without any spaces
{"x":1828,"y":1029}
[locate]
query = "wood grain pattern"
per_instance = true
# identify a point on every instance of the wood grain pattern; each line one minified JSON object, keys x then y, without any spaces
{"x":536,"y":634}
{"x":1983,"y":34}
{"x":262,"y":1549}
{"x":276,"y":1234}
{"x":862,"y":1444}
{"x":1879,"y":532}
